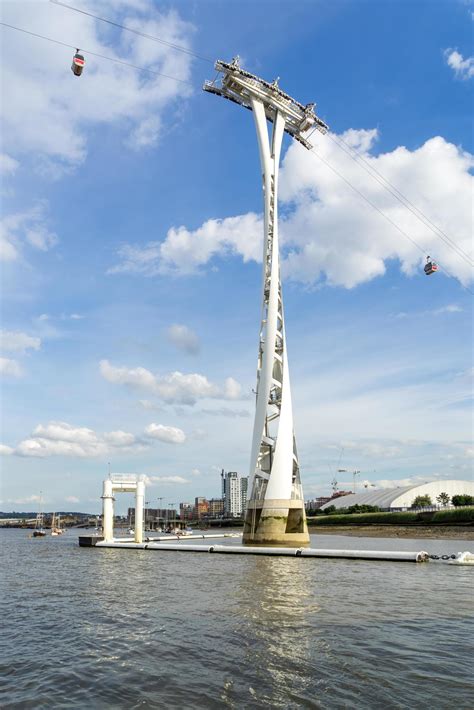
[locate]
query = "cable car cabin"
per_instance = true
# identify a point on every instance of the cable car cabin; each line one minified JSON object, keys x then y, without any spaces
{"x":430,"y":267}
{"x":77,"y":65}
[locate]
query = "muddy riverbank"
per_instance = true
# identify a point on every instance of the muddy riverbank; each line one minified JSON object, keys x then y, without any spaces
{"x":453,"y":532}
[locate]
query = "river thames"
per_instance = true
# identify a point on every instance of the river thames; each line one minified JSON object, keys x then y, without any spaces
{"x":90,"y":628}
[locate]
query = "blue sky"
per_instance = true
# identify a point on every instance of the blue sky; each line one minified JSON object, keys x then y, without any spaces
{"x":131,"y":242}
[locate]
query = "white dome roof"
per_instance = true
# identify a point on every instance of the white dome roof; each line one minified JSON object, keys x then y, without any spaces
{"x":402,"y":497}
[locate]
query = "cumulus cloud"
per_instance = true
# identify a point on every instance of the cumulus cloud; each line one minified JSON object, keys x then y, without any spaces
{"x":63,"y":439}
{"x":119,"y":438}
{"x":463,"y":68}
{"x":183,"y":338}
{"x":328,"y":233}
{"x":10,"y":368}
{"x":28,"y":228}
{"x":331,"y":235}
{"x":71,"y":499}
{"x":168,"y":434}
{"x":5,"y":450}
{"x":15,"y":341}
{"x":175,"y":387}
{"x":107,"y":93}
{"x":185,"y":252}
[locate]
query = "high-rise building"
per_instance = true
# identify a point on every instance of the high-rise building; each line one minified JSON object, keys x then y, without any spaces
{"x":234,"y":493}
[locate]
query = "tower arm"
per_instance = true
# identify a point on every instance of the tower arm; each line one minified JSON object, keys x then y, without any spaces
{"x":241,"y":87}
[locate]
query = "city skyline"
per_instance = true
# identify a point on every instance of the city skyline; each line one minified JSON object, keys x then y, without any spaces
{"x":131,"y":248}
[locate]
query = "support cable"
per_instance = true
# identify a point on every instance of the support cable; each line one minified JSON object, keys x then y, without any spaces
{"x":385,"y":216}
{"x":189,"y":83}
{"x":178,"y":47}
{"x":373,"y":172}
{"x":95,"y":54}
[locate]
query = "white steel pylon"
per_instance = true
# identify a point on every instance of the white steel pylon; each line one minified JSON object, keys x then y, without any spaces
{"x":275,"y":507}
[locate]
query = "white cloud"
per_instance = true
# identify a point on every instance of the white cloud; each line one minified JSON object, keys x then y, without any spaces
{"x":328,"y":233}
{"x":28,"y":227}
{"x":183,"y":338}
{"x":168,"y":434}
{"x":29,"y":499}
{"x":451,"y":308}
{"x":119,"y":438}
{"x":5,"y":450}
{"x":332,"y":234}
{"x":463,"y":68}
{"x":8,"y":165}
{"x":63,"y":439}
{"x":10,"y":368}
{"x":71,"y":499}
{"x":15,"y":341}
{"x":41,"y":239}
{"x":232,"y":389}
{"x":47,"y":111}
{"x":175,"y":387}
{"x":184,"y":251}
{"x":166,"y":479}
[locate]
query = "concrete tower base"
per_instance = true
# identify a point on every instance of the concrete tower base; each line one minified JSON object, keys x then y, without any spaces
{"x":279,"y":523}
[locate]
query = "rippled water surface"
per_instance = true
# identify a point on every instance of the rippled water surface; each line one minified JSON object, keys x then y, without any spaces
{"x":90,"y":628}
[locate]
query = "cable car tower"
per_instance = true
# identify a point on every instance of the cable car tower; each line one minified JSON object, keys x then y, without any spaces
{"x":275,"y":508}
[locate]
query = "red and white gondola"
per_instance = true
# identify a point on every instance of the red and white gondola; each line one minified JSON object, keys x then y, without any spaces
{"x":430,"y":267}
{"x":78,"y":62}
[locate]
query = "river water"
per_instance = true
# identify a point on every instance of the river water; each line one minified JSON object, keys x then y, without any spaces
{"x":91,"y":628}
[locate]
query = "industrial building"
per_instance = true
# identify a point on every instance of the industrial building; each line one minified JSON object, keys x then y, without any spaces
{"x":402,"y":498}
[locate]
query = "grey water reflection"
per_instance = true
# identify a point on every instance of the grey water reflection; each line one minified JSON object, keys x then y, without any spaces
{"x":279,"y":630}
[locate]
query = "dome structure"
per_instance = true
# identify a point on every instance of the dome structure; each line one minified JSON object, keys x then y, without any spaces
{"x":402,"y":498}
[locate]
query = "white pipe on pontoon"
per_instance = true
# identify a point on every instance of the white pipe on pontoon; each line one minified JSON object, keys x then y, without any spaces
{"x":275,"y":551}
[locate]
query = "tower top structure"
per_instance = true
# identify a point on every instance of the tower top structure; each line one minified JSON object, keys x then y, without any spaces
{"x":242,"y":87}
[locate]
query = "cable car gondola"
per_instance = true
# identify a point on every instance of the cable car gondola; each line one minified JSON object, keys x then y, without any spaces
{"x":430,"y":266}
{"x":78,"y":62}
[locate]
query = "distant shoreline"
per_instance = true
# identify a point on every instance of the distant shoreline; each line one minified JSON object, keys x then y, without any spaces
{"x":458,"y":532}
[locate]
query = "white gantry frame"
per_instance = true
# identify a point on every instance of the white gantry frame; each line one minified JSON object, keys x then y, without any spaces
{"x":274,"y":467}
{"x":122,"y":483}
